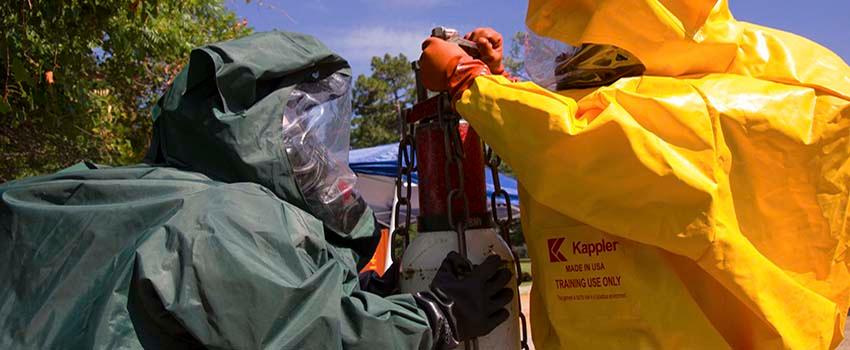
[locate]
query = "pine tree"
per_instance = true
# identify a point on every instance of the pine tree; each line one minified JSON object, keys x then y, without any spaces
{"x":379,"y":98}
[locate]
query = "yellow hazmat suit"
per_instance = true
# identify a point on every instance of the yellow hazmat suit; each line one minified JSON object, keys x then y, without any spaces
{"x":703,"y":205}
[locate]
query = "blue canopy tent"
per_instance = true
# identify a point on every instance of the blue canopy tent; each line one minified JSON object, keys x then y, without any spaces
{"x":376,"y":168}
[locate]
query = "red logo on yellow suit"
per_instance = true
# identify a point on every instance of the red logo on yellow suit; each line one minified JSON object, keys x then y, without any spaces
{"x":555,"y":249}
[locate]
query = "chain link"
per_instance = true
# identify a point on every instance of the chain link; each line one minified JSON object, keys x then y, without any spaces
{"x":493,"y":162}
{"x":453,"y":146}
{"x":406,"y":165}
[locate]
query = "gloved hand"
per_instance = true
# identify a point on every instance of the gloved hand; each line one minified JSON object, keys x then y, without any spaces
{"x":489,"y":44}
{"x":466,"y":301}
{"x":446,"y":67}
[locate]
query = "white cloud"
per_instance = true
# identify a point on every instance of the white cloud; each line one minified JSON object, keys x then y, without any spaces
{"x":359,"y":45}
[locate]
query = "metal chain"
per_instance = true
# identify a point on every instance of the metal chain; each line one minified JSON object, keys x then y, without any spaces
{"x":493,"y":162}
{"x":406,"y":165}
{"x":453,"y":146}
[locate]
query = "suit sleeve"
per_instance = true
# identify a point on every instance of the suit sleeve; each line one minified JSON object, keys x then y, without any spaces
{"x":636,"y":165}
{"x":260,"y":275}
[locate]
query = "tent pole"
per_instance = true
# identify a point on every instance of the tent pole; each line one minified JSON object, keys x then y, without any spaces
{"x":393,"y":226}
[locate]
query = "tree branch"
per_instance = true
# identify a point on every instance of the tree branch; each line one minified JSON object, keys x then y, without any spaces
{"x":8,"y":74}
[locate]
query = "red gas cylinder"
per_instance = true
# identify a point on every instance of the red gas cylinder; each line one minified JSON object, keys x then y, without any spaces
{"x":435,"y":183}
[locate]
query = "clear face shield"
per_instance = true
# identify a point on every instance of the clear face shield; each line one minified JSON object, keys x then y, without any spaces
{"x":559,"y":66}
{"x":316,"y":128}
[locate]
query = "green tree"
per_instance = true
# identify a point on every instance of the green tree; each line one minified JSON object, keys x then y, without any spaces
{"x":514,"y":59}
{"x":79,"y":77}
{"x":378,"y":99}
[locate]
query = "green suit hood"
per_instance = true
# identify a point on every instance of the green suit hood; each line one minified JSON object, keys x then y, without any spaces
{"x":223,"y":115}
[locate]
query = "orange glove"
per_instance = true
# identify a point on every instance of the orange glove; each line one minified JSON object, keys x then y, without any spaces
{"x":489,"y":44}
{"x":446,"y":67}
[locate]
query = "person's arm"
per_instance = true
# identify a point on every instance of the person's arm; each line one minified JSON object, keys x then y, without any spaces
{"x":261,"y":275}
{"x":610,"y":165}
{"x":636,"y":160}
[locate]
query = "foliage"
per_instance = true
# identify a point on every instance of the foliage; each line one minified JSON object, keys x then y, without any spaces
{"x":78,"y":77}
{"x":378,"y":99}
{"x":514,"y":59}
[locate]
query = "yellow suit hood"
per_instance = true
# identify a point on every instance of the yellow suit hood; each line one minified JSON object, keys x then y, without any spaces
{"x":694,"y":37}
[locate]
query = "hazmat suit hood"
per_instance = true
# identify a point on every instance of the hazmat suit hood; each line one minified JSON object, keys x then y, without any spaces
{"x":677,"y":38}
{"x":272,"y":109}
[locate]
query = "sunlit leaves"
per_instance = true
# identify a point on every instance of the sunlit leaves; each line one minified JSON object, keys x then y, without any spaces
{"x":78,"y":77}
{"x":378,"y":99}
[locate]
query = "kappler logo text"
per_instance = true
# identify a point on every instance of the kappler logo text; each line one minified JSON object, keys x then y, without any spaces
{"x":555,"y":254}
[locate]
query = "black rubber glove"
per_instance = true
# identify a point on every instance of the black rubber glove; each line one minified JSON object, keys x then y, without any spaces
{"x":466,"y":301}
{"x":384,"y":286}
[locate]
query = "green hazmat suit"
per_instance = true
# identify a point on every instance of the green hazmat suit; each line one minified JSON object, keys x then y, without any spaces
{"x":215,"y":246}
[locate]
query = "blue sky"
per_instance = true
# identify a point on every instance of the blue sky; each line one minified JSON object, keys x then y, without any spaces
{"x":360,"y":29}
